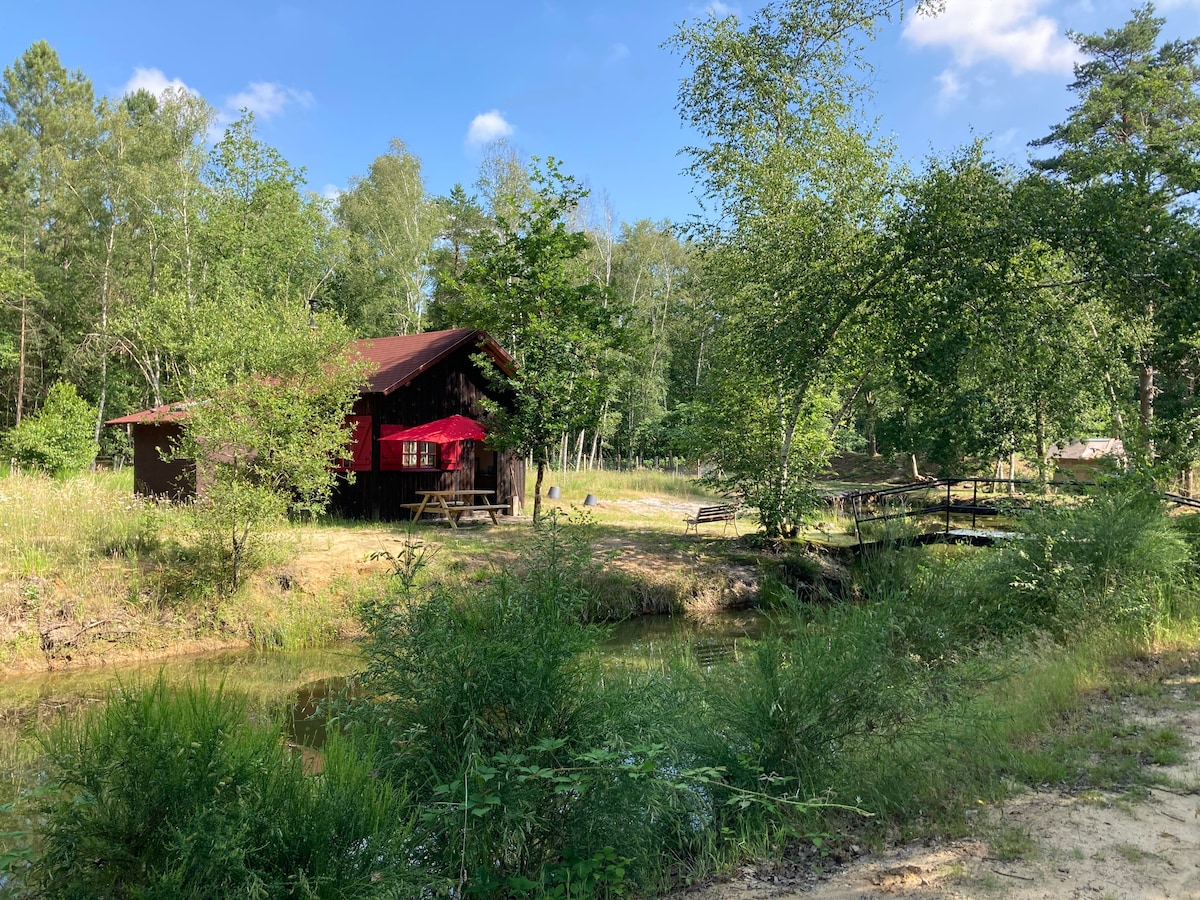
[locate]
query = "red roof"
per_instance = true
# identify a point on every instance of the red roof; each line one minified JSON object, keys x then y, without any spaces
{"x":168,"y":412}
{"x":396,"y":362}
{"x":399,"y":360}
{"x":441,"y":431}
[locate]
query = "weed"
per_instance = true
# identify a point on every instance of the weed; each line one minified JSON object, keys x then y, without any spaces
{"x":1010,"y":842}
{"x":412,"y":558}
{"x":1131,"y":853}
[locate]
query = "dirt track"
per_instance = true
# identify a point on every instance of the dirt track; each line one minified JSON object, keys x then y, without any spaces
{"x":1089,"y":845}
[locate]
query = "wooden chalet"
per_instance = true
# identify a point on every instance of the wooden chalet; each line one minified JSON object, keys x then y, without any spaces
{"x":406,"y":438}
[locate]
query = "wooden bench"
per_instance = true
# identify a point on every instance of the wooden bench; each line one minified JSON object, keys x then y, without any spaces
{"x":725,"y":512}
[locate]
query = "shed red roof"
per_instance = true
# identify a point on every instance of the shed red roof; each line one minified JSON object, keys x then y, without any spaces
{"x":399,"y":360}
{"x":169,"y":412}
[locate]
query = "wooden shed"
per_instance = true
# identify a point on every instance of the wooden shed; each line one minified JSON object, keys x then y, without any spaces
{"x":1080,"y":460}
{"x":415,"y":380}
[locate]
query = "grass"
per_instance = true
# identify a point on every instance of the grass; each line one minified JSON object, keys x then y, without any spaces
{"x":608,"y":484}
{"x":957,"y":675}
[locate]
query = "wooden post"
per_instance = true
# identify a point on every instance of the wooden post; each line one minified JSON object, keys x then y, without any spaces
{"x":947,"y":508}
{"x":376,"y":491}
{"x":974,"y":500}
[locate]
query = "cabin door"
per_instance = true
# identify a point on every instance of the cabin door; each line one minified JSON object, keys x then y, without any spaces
{"x":485,"y":469}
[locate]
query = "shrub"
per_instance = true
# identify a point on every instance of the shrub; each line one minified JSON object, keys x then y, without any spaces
{"x":491,"y":710}
{"x":784,"y":713}
{"x":177,"y":794}
{"x":1109,"y":558}
{"x":59,"y":439}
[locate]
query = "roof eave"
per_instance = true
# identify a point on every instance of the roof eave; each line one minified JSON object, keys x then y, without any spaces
{"x":482,"y":339}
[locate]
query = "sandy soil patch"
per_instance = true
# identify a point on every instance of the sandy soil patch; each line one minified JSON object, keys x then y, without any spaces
{"x":1079,"y":845}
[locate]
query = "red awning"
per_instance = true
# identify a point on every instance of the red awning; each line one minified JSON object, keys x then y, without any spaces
{"x":441,"y":431}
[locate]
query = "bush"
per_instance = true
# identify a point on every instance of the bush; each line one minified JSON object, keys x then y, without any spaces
{"x":1113,"y":557}
{"x":491,"y":710}
{"x":177,"y":794}
{"x":784,"y":713}
{"x":58,"y":440}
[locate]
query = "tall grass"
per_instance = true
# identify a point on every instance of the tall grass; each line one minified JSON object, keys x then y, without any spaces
{"x":175,"y":793}
{"x":622,"y":485}
{"x":65,"y":527}
{"x":490,"y":709}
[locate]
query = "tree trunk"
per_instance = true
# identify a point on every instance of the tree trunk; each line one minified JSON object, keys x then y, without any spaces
{"x":1040,"y":424}
{"x":872,"y":446}
{"x":1118,"y":419}
{"x":537,"y":492}
{"x":1146,"y":394}
{"x":916,"y":473}
{"x":595,"y":446}
{"x":21,"y":361}
{"x":105,"y":287}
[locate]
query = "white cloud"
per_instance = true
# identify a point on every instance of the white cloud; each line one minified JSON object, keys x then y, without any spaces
{"x":331,"y":192}
{"x":154,"y":81}
{"x":267,"y":100}
{"x":714,"y":8}
{"x":951,"y":88}
{"x":487,"y":127}
{"x":1012,"y":31}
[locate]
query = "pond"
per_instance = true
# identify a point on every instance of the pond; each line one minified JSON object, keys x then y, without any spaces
{"x":299,"y":680}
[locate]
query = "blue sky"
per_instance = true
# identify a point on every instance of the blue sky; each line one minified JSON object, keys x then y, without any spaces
{"x":589,"y":83}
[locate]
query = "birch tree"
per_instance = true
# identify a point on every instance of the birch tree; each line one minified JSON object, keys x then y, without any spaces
{"x":795,"y":187}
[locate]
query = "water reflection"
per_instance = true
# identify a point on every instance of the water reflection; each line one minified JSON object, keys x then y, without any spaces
{"x":708,"y":637}
{"x":296,"y":684}
{"x":306,"y":718}
{"x":35,"y":701}
{"x":644,"y":643}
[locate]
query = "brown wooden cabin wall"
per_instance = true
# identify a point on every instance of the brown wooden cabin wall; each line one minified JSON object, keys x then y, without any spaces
{"x":152,"y":475}
{"x":453,"y":386}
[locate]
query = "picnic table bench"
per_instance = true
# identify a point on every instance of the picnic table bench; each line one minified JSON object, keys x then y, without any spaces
{"x":454,"y":504}
{"x":723,"y":512}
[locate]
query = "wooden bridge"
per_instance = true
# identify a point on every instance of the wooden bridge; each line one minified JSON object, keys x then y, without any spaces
{"x":947,"y":500}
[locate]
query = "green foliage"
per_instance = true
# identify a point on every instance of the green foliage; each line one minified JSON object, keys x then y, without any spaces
{"x":390,"y":227}
{"x":168,"y":793}
{"x":265,"y":442}
{"x":1131,"y":149}
{"x":997,"y":344}
{"x":525,"y":282}
{"x":1112,"y":558}
{"x":58,"y":440}
{"x":787,"y":161}
{"x":492,"y":710}
{"x":797,"y":702}
{"x":464,"y":690}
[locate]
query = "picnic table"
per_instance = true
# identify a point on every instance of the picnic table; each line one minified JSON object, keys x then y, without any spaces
{"x":452,"y":504}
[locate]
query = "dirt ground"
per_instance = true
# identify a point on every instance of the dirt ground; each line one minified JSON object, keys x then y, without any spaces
{"x":1037,"y":845}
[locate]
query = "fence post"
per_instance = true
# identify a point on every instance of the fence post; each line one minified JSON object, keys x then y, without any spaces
{"x":948,"y":483}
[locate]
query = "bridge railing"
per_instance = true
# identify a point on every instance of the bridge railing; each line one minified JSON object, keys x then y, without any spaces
{"x":864,"y":503}
{"x":945,"y":503}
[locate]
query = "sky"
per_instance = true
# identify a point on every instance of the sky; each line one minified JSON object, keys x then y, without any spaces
{"x":585,"y":81}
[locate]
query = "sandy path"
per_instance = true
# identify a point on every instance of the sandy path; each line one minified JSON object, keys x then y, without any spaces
{"x":1090,"y":845}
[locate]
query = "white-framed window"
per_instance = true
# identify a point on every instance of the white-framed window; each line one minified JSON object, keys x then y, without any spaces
{"x":418,"y":455}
